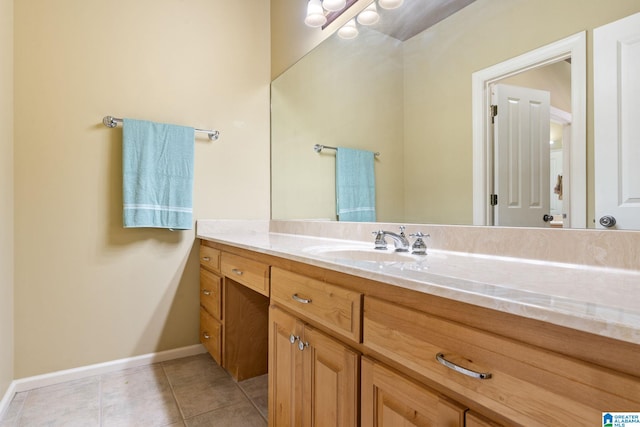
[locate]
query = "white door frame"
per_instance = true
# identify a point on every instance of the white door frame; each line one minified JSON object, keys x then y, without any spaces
{"x":573,"y":47}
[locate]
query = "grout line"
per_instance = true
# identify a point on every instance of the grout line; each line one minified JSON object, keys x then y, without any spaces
{"x":251,"y":400}
{"x":173,"y":393}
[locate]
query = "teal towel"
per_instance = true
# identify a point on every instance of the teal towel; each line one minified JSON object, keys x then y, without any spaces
{"x":157,"y":167}
{"x":355,"y":185}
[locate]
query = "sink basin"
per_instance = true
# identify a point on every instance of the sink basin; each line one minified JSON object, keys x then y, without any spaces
{"x":363,"y":253}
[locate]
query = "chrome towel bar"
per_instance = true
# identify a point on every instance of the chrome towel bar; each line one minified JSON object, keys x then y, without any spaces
{"x":111,"y":122}
{"x":319,"y":147}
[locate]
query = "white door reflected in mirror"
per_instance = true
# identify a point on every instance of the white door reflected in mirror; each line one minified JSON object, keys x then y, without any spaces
{"x":616,"y":67}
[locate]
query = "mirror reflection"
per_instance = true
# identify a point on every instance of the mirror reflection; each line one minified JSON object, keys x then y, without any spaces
{"x":409,"y":98}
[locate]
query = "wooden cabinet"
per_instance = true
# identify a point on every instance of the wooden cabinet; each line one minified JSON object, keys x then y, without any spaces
{"x":472,"y":419}
{"x":390,"y":400}
{"x":211,"y":302}
{"x":210,"y":258}
{"x":234,"y":301}
{"x":314,"y":379}
{"x":331,"y":306}
{"x":525,"y":384}
{"x":347,"y":351}
{"x":250,"y":273}
{"x":211,"y":335}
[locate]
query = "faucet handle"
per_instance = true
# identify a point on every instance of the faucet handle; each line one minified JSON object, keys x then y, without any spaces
{"x":419,"y":247}
{"x":380,"y":243}
{"x":402,"y":228}
{"x":419,"y":234}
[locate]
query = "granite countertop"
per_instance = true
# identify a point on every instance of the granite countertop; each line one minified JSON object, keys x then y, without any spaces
{"x":597,"y":300}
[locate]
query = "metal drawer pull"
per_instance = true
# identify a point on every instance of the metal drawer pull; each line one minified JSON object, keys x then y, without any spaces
{"x":206,"y":292}
{"x":302,"y":345}
{"x":238,"y":272}
{"x":206,"y":335}
{"x":206,"y":258}
{"x":473,"y":374}
{"x":293,"y":338}
{"x":300,"y":300}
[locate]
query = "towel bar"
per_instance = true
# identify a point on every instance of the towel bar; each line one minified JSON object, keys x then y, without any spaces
{"x":319,"y":147}
{"x":111,"y":122}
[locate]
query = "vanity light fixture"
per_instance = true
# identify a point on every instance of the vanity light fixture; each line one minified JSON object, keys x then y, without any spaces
{"x":369,"y":16}
{"x":315,"y":14}
{"x":348,"y":30}
{"x":334,"y":5}
{"x":390,"y":4}
{"x":320,"y":13}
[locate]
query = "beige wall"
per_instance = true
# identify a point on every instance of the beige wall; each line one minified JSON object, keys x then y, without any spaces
{"x":86,"y":289}
{"x":6,"y":195}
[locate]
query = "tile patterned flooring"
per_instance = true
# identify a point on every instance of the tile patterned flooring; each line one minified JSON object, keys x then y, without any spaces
{"x":188,"y":392}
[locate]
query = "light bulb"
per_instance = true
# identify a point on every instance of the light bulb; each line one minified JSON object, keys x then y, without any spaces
{"x":369,"y":16}
{"x":348,"y":30}
{"x":315,"y":14}
{"x":334,"y":5}
{"x":390,"y":4}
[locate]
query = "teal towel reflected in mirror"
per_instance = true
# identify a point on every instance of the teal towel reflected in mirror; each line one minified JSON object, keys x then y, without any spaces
{"x":157,"y":167}
{"x":355,"y":185}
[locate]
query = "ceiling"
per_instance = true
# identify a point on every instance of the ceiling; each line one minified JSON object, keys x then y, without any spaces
{"x":415,"y":16}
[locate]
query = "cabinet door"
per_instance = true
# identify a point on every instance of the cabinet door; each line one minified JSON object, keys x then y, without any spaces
{"x":475,"y":420}
{"x":330,"y":381}
{"x":391,"y":400}
{"x":285,"y":369}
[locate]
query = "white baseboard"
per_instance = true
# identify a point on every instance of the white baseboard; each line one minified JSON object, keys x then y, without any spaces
{"x":7,"y":398}
{"x":37,"y":381}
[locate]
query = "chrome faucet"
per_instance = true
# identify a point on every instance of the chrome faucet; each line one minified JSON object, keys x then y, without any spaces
{"x":400,"y":241}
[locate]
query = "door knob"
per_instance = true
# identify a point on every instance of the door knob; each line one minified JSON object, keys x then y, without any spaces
{"x":547,"y":217}
{"x":607,"y":221}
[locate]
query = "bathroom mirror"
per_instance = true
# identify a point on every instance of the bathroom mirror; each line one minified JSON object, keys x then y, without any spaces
{"x":409,"y":98}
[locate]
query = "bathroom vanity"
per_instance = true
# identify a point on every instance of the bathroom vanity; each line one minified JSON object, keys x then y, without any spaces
{"x":357,"y":337}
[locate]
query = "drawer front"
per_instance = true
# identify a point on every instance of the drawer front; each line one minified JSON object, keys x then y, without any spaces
{"x":329,"y":305}
{"x":211,"y":335}
{"x":528,"y":385}
{"x":210,"y":258}
{"x":211,"y":293}
{"x":252,"y":274}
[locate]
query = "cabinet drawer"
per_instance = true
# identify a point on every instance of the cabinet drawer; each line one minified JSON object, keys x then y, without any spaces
{"x":528,"y":385}
{"x":329,"y":305}
{"x":211,"y":293}
{"x":211,"y":335}
{"x":252,"y":274}
{"x":210,"y":258}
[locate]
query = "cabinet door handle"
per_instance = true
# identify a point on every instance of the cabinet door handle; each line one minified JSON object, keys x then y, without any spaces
{"x":293,"y":338}
{"x":206,"y":335}
{"x":206,"y":292}
{"x":473,"y":374}
{"x":238,"y":272}
{"x":206,"y":258}
{"x":295,"y":297}
{"x":302,"y":345}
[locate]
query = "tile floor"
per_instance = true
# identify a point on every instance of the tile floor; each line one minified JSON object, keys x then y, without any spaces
{"x":192,"y":391}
